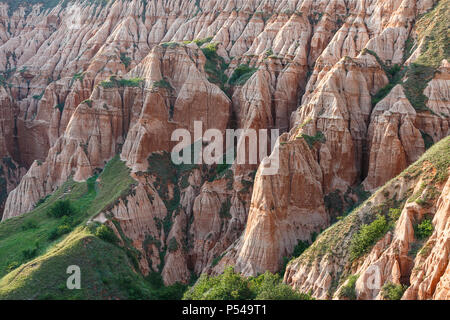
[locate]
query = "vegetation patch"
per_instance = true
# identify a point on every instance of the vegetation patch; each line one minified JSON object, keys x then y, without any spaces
{"x":232,"y":286}
{"x":61,"y":212}
{"x":424,"y":229}
{"x":125,"y":60}
{"x":348,"y":290}
{"x":215,"y":65}
{"x":367,"y":236}
{"x":427,"y":139}
{"x":319,"y":137}
{"x":113,"y":82}
{"x":298,"y":250}
{"x":391,"y":291}
{"x":162,"y":84}
{"x":225,"y":209}
{"x":241,"y":74}
{"x":432,"y":29}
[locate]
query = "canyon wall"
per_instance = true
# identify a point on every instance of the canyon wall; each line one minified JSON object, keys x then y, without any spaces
{"x":357,"y":89}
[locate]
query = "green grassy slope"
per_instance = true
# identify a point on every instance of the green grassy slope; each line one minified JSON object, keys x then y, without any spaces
{"x":33,"y":266}
{"x":20,"y":236}
{"x":106,"y":272}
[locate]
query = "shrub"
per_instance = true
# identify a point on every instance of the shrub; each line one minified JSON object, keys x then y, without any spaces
{"x":268,"y":286}
{"x":312,"y":140}
{"x":424,"y":229}
{"x":227,"y":286}
{"x":427,"y":139}
{"x":61,"y":208}
{"x":233,"y":286}
{"x":60,"y":230}
{"x":12,"y":265}
{"x":225,"y":209}
{"x":106,"y":234}
{"x":126,"y":61}
{"x":216,"y":260}
{"x":173,"y":292}
{"x":88,"y":102}
{"x":394,"y":213}
{"x":28,"y":254}
{"x":155,"y":280}
{"x":391,"y":291}
{"x":201,"y":42}
{"x":298,"y":250}
{"x":162,"y":84}
{"x":30,"y":224}
{"x":173,"y":245}
{"x":348,"y":291}
{"x":333,"y":202}
{"x":367,"y":236}
{"x":78,"y":76}
{"x":113,"y":82}
{"x":210,"y":51}
{"x":241,"y":74}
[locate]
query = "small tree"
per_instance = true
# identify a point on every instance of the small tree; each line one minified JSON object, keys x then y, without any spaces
{"x":61,"y":208}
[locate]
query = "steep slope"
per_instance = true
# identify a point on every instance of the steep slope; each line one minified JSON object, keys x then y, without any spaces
{"x":396,"y":251}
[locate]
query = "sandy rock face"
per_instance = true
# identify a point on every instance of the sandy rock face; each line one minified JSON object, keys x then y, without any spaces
{"x":400,"y":257}
{"x":394,"y":140}
{"x":430,"y":274}
{"x":178,"y":93}
{"x":100,"y":124}
{"x":283,"y":211}
{"x":339,"y":108}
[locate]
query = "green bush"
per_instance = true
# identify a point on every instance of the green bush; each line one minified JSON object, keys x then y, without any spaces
{"x":348,"y":291}
{"x":312,"y":140}
{"x":227,"y":286}
{"x":41,"y":201}
{"x":424,"y":229}
{"x":298,"y":250}
{"x":155,"y":280}
{"x":201,"y":42}
{"x":233,"y":286}
{"x":268,"y":286}
{"x":126,"y":61}
{"x":113,"y":82}
{"x":12,"y":265}
{"x":391,"y":291}
{"x":394,"y":213}
{"x":427,"y":139}
{"x":225,"y":209}
{"x":173,"y":245}
{"x":28,"y":254}
{"x":162,"y":84}
{"x":241,"y":74}
{"x":60,"y":230}
{"x":210,"y":51}
{"x":367,"y":236}
{"x":61,"y":208}
{"x":107,"y":234}
{"x":29,"y":225}
{"x":173,"y":292}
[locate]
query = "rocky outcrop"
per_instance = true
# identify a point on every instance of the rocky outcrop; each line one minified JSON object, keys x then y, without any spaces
{"x":399,"y":257}
{"x":282,"y":212}
{"x":339,"y":109}
{"x":99,"y":125}
{"x":394,"y":140}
